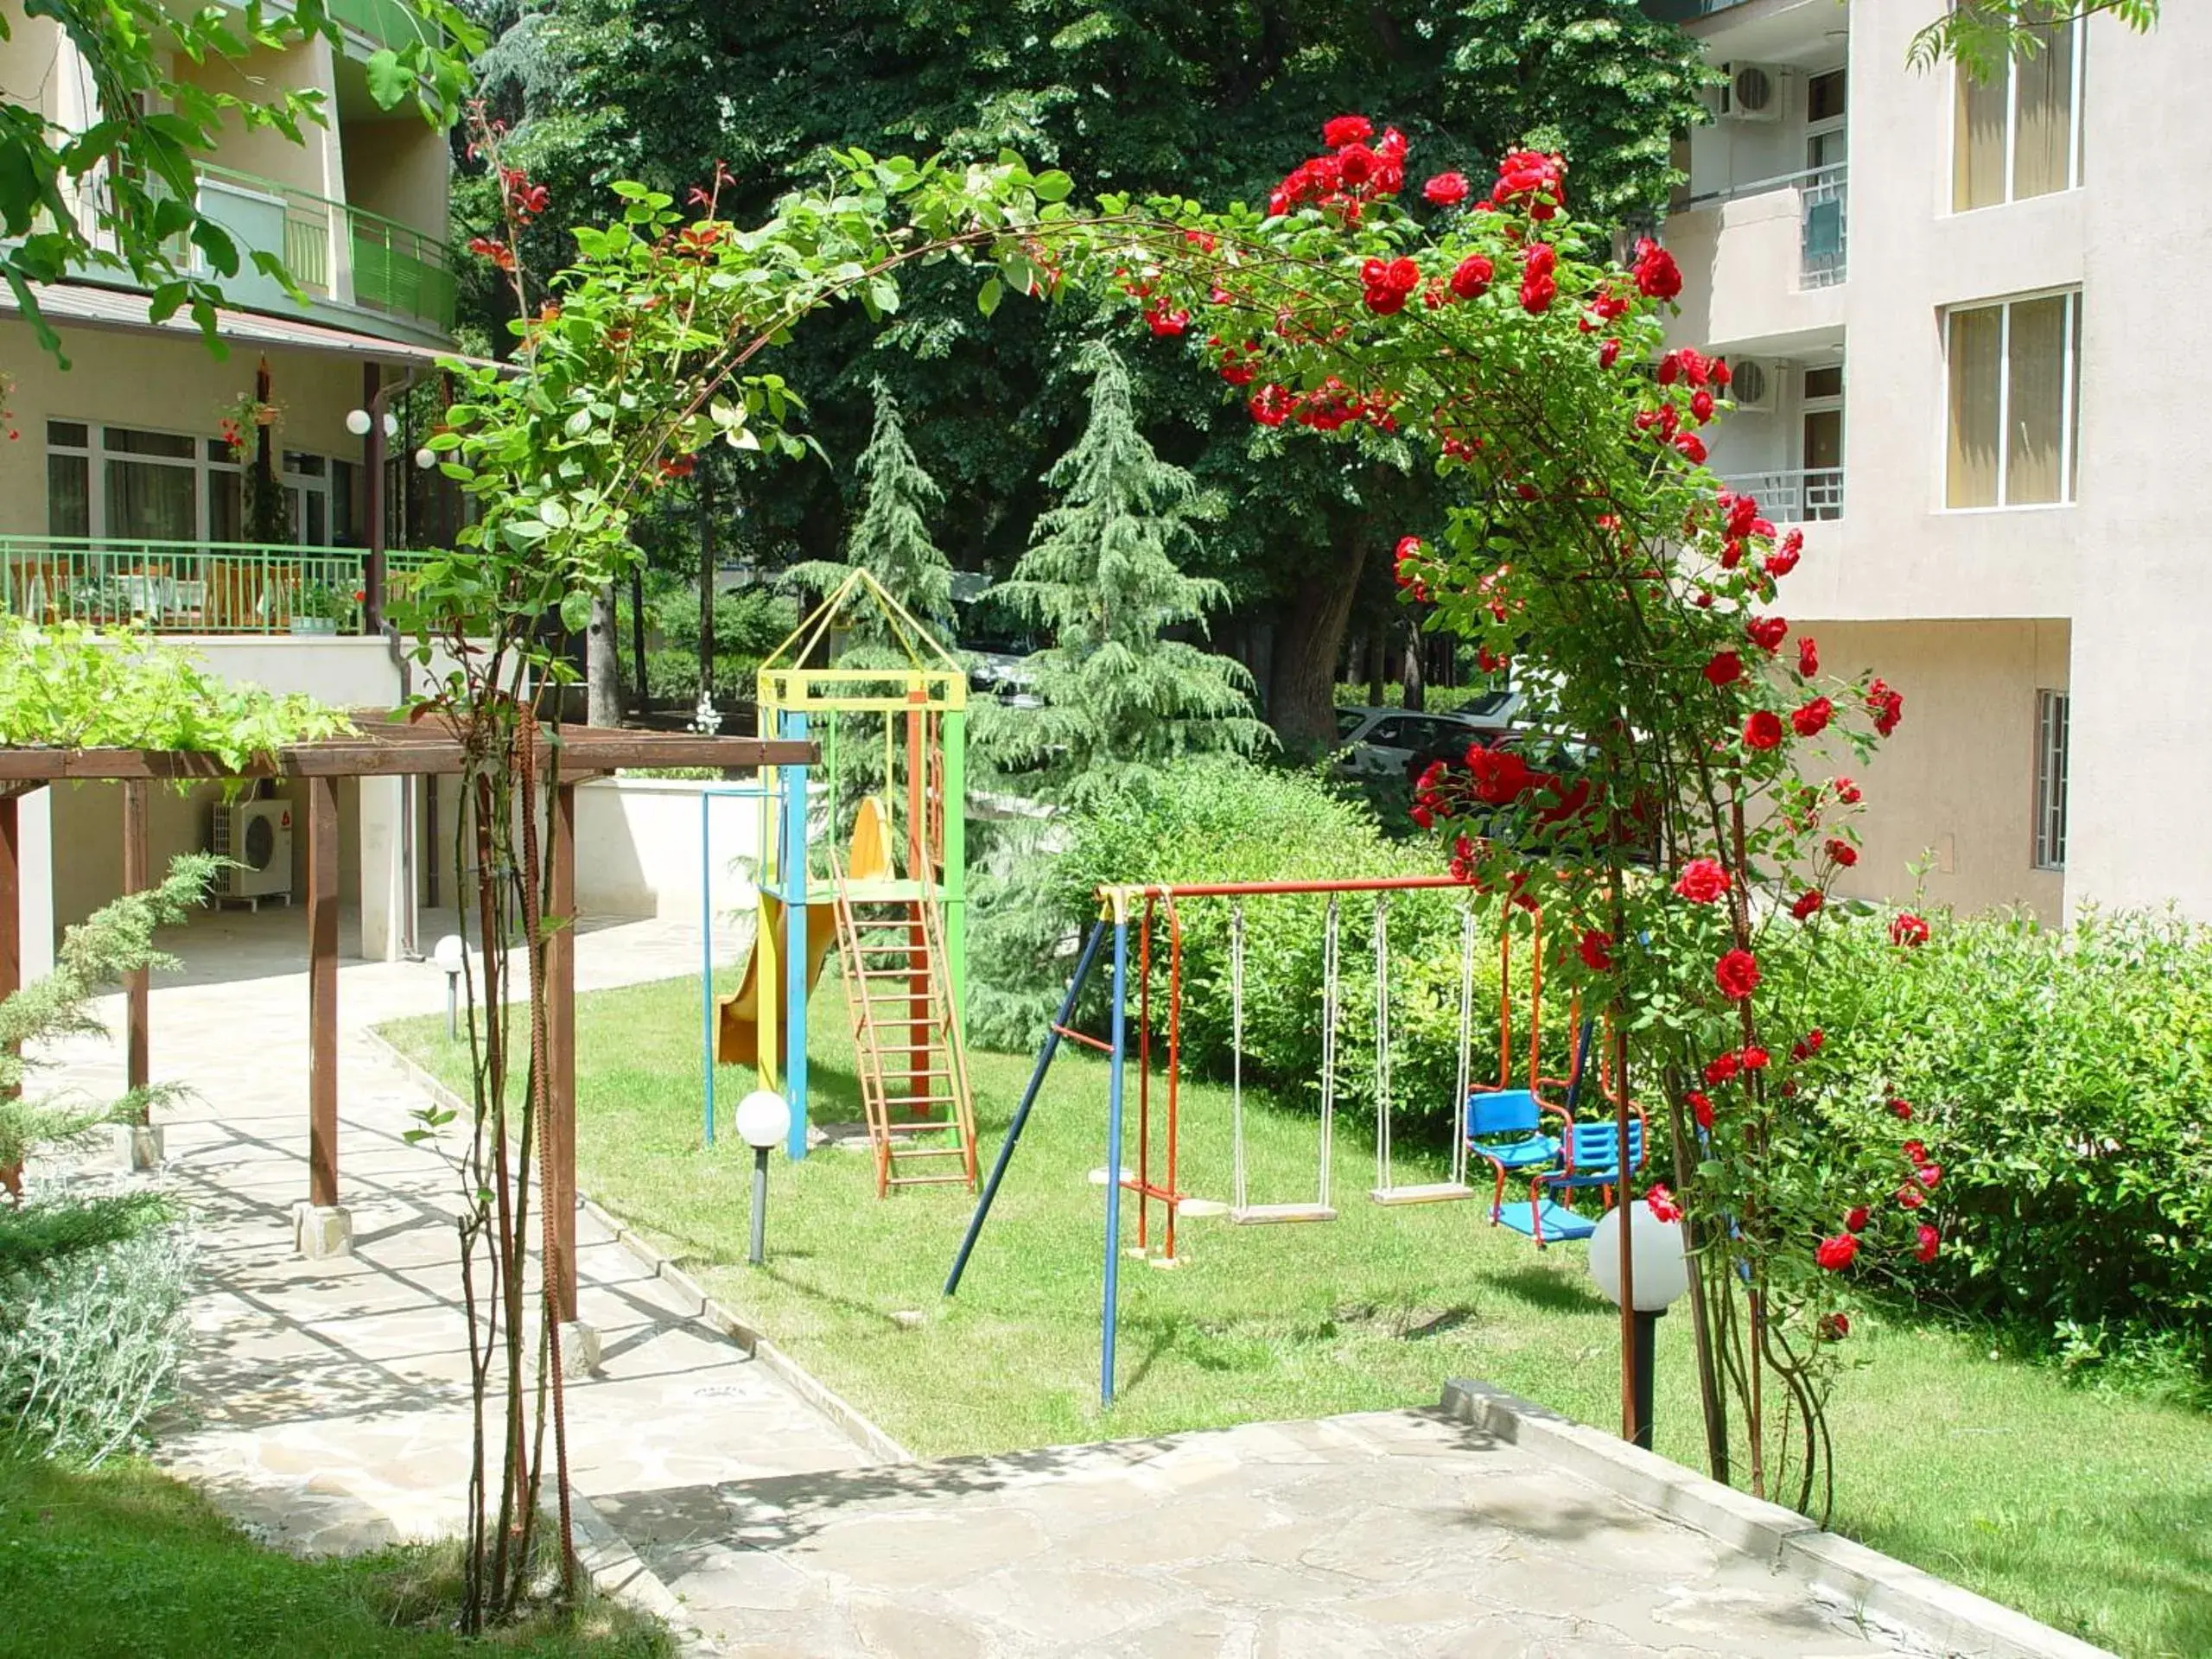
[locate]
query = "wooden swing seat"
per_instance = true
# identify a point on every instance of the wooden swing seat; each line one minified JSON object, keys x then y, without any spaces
{"x":1263,"y":1215}
{"x":1431,"y":1192}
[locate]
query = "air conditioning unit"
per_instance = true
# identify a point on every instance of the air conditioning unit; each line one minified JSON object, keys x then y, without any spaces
{"x":1752,"y":93}
{"x":256,"y":838}
{"x":1755,"y":385}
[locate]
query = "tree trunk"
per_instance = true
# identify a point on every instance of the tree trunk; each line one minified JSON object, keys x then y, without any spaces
{"x":1378,"y":672}
{"x":1409,"y":675}
{"x":603,"y":662}
{"x":709,"y":557}
{"x":1302,"y":678}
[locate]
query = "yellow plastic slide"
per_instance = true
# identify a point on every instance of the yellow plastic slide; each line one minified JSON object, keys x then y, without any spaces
{"x":737,"y":1025}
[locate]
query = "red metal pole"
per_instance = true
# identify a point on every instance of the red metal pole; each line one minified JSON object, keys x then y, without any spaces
{"x":920,"y":871}
{"x":136,"y":1068}
{"x":1174,"y":1061}
{"x":1251,"y":889}
{"x":1144,"y":1077}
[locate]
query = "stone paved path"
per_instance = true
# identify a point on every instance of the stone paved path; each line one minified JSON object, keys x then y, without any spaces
{"x":326,"y":1402}
{"x":1395,"y":1534}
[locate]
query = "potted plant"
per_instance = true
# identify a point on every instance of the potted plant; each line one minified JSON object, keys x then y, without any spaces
{"x":318,"y":608}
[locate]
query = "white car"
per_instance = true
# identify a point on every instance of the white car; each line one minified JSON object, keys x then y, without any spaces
{"x":1391,"y":743}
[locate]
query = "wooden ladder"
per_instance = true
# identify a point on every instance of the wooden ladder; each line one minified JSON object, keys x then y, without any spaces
{"x":906,"y":1045}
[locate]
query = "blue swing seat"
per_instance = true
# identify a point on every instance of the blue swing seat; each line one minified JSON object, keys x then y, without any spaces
{"x":1506,"y":1127}
{"x":1590,"y":1156}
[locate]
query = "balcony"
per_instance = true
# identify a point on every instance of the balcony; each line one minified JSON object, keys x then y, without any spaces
{"x":186,"y":587}
{"x":1764,"y":263}
{"x":1803,"y":496}
{"x":1822,"y":211}
{"x":333,"y":251}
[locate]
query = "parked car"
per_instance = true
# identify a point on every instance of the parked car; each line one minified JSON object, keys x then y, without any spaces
{"x":1392,"y":743}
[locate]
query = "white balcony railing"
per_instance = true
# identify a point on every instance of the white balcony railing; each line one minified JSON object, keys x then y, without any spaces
{"x":1806,"y":495}
{"x":1823,"y":217}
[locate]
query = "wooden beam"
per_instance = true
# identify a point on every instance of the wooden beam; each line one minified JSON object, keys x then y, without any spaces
{"x":322,"y":992}
{"x":137,"y":1073}
{"x":559,"y":1126}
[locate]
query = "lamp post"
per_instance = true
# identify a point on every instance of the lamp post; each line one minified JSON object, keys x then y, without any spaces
{"x":450,"y":957}
{"x":763,"y":1119}
{"x":1660,"y":1275}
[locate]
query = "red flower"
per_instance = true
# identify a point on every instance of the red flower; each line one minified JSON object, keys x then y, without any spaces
{"x":1767,"y":632}
{"x":1916,"y":1152}
{"x":491,"y":248}
{"x":1928,"y":1175}
{"x":1812,"y":719}
{"x":1722,"y":1068}
{"x":1784,"y":558}
{"x":1700,"y":1105}
{"x":1609,"y":353}
{"x":1271,"y":405}
{"x":1841,"y":851}
{"x":1835,"y":1253}
{"x":1703,"y":881}
{"x":1661,"y":1202}
{"x":1446,"y":189}
{"x":1762,"y":729}
{"x":1596,"y":948}
{"x":1656,"y":275}
{"x":1538,"y":290}
{"x":1692,"y":447}
{"x":1886,"y":706}
{"x":1755,"y":1057}
{"x":1808,"y":903}
{"x":1856,"y":1217}
{"x":1346,"y":130}
{"x":1808,"y":655}
{"x":1166,"y":322}
{"x":1931,"y":1242}
{"x":1532,"y":179}
{"x":1737,"y":974}
{"x":1472,"y":275}
{"x":1701,"y":405}
{"x":1502,"y":776}
{"x":1724,"y":668}
{"x":1902,"y":1110}
{"x":1911,"y":1197}
{"x":1908,"y":931}
{"x":1834,"y":1327}
{"x":1847,"y":791}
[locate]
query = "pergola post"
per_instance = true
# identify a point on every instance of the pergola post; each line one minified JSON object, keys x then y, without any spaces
{"x":559,"y":1128}
{"x":321,"y":1227}
{"x":136,"y":1070}
{"x":11,"y":896}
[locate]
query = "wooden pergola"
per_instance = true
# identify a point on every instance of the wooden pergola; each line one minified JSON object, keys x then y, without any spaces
{"x":378,"y":747}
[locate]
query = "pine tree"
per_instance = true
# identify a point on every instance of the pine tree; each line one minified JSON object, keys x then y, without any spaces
{"x":891,"y":538}
{"x":1102,"y":577}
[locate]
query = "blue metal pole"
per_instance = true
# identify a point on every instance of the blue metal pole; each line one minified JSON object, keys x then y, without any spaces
{"x":1021,"y":1112}
{"x":1113,"y":1163}
{"x":795,"y":941}
{"x":707,"y":955}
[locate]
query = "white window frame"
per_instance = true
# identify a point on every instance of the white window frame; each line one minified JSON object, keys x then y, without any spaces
{"x":2069,"y":382}
{"x":97,"y":455}
{"x":2076,"y":146}
{"x":2054,"y":722}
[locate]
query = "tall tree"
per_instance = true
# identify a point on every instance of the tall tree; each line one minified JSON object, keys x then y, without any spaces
{"x":1983,"y":35}
{"x":1133,"y":95}
{"x":891,"y":539}
{"x":1102,"y":577}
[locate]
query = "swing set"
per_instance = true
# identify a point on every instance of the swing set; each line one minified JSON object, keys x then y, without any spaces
{"x":1505,"y":1125}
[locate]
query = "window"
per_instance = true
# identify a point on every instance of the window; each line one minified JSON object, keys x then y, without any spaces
{"x":2051,"y":780}
{"x":1820,"y":442}
{"x":2018,"y":134}
{"x":2015,"y":382}
{"x":113,"y":483}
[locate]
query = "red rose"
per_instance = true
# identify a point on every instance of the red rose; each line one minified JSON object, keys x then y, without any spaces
{"x":1724,"y":668}
{"x":1886,"y":706}
{"x":1835,"y":1253}
{"x":1841,"y":851}
{"x":1767,"y":632}
{"x":1808,"y":903}
{"x":1166,"y":322}
{"x":1271,"y":405}
{"x":1847,"y":791}
{"x":1609,"y":353}
{"x":1537,"y":293}
{"x":1409,"y":547}
{"x":1816,"y":1039}
{"x":1911,"y":1197}
{"x":1856,"y":1217}
{"x":1700,"y":1105}
{"x":1755,"y":1058}
{"x":1908,"y":931}
{"x":1661,"y":1202}
{"x":1692,"y":447}
{"x":1812,"y":719}
{"x":1928,"y":1175}
{"x":1762,"y":729}
{"x":1472,"y":275}
{"x":1902,"y":1110}
{"x":1737,"y":974}
{"x":1701,"y":405}
{"x":1656,"y":275}
{"x":1722,"y":1068}
{"x":1596,"y":951}
{"x":1703,"y":881}
{"x":1809,"y":656}
{"x":1446,"y":189}
{"x":1931,"y":1242}
{"x":1834,"y":1327}
{"x":1346,"y":130}
{"x":1916,"y":1152}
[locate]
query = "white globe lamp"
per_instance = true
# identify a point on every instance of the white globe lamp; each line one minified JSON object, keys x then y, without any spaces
{"x":1660,"y":1275}
{"x":763,"y":1119}
{"x":450,"y":955}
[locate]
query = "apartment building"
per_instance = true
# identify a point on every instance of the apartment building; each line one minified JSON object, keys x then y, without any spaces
{"x":250,"y":506}
{"x":1960,"y":317}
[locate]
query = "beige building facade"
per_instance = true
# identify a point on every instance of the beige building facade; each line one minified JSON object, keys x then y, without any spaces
{"x":1968,"y":311}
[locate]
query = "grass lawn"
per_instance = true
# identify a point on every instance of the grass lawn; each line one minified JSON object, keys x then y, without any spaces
{"x":124,"y":1560}
{"x":2090,"y":1512}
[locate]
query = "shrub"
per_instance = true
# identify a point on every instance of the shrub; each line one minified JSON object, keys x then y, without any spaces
{"x":2066,"y":1075}
{"x":89,"y":1342}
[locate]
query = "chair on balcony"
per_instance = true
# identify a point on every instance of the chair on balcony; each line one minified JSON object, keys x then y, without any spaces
{"x":38,"y":589}
{"x":240,"y":596}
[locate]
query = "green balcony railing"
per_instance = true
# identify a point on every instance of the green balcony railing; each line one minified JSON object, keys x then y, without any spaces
{"x":401,"y":271}
{"x":169,"y":587}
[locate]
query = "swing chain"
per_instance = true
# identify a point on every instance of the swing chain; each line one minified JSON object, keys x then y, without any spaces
{"x":1383,"y":1101}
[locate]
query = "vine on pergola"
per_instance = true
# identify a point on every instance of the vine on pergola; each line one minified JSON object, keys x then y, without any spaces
{"x":1499,"y":339}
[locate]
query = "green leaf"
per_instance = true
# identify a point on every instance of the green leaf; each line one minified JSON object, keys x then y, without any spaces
{"x":988,"y":297}
{"x":390,"y":82}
